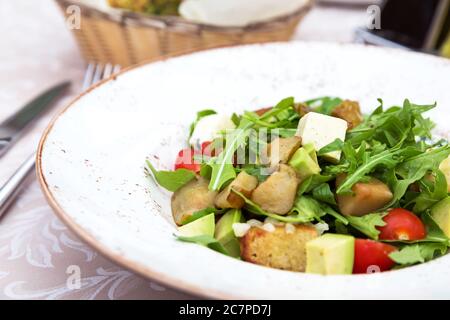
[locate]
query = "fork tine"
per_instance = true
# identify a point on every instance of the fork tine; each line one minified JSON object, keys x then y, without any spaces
{"x":88,"y":76}
{"x":117,"y":68}
{"x":98,"y":73}
{"x":107,"y":72}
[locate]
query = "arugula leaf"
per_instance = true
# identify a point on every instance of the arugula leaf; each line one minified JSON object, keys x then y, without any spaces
{"x":280,"y":107}
{"x":222,"y":169}
{"x":198,"y":214}
{"x":387,"y":159}
{"x":312,"y":182}
{"x":324,"y":105}
{"x":414,"y":169}
{"x":206,"y":241}
{"x":171,"y":180}
{"x":368,"y":224}
{"x":323,"y":193}
{"x":256,"y":171}
{"x":307,"y":210}
{"x":431,"y":193}
{"x":418,"y":253}
{"x":200,"y":114}
{"x":393,"y":127}
{"x":336,"y":145}
{"x":434,"y":232}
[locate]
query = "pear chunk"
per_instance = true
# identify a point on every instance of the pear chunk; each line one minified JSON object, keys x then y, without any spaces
{"x":192,"y":197}
{"x":244,"y":183}
{"x":280,"y":150}
{"x":367,"y":197}
{"x":277,"y":193}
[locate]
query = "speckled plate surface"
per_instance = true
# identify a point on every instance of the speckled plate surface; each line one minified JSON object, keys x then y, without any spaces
{"x":91,"y":158}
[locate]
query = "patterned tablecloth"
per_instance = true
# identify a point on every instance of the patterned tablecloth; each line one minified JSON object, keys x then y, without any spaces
{"x":38,"y":254}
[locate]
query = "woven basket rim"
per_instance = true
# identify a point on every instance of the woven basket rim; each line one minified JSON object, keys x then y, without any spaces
{"x":174,"y":22}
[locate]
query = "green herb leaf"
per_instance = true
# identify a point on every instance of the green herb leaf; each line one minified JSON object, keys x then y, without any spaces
{"x":222,"y":169}
{"x":200,"y":114}
{"x":368,"y":224}
{"x":312,"y":182}
{"x":206,"y":241}
{"x":323,"y":193}
{"x":414,"y":169}
{"x":171,"y":180}
{"x":418,"y":253}
{"x":336,"y":145}
{"x":386,"y":158}
{"x":324,"y":105}
{"x":198,"y":214}
{"x":431,"y":193}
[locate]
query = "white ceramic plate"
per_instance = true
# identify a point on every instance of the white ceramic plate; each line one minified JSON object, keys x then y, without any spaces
{"x":91,"y":158}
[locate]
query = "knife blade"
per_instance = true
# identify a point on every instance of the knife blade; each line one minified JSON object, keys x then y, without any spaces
{"x":13,"y":127}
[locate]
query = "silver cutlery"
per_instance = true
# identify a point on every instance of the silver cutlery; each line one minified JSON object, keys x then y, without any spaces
{"x":8,"y":192}
{"x":13,"y":127}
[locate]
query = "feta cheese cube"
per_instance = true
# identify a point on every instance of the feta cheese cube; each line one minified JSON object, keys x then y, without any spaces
{"x":320,"y":130}
{"x":208,"y":127}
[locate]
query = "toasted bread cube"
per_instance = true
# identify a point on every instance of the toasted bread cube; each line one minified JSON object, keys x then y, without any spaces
{"x":278,"y":249}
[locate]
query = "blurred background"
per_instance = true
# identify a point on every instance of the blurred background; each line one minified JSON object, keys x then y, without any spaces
{"x":47,"y":41}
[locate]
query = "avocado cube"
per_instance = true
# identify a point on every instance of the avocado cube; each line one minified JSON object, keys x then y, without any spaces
{"x":303,"y":164}
{"x":203,"y":226}
{"x":224,"y":231}
{"x":440,"y":212}
{"x":330,"y":254}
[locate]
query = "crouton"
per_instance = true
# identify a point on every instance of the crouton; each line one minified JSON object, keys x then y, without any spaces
{"x":350,"y":112}
{"x":278,"y":249}
{"x":192,"y":197}
{"x":277,"y":193}
{"x":244,"y":183}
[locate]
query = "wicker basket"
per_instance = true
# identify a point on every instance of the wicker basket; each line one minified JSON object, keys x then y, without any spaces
{"x":127,"y":38}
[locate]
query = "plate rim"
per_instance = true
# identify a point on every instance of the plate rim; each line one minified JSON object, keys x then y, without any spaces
{"x":134,"y":266}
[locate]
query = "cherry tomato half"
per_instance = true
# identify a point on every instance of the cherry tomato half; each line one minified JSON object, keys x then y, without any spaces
{"x":208,"y":149}
{"x":185,"y":160}
{"x":372,"y":256}
{"x":402,"y":224}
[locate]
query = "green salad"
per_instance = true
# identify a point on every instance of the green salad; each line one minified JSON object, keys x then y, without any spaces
{"x":315,"y":186}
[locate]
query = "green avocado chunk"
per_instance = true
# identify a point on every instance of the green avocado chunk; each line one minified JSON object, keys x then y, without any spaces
{"x":303,"y":164}
{"x":225,"y":234}
{"x":203,"y":226}
{"x":440,"y":212}
{"x":330,"y":254}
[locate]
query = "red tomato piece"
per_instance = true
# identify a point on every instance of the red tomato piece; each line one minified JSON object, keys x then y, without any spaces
{"x":372,"y":256}
{"x":185,"y":160}
{"x":402,"y":224}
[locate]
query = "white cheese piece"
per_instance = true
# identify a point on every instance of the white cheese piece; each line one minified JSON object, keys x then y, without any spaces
{"x":208,"y":127}
{"x":321,"y":130}
{"x":240,"y":229}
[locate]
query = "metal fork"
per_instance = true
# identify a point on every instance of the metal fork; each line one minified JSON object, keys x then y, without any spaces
{"x":9,"y":191}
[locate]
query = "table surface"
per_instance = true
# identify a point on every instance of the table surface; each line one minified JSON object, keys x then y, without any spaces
{"x":37,"y":251}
